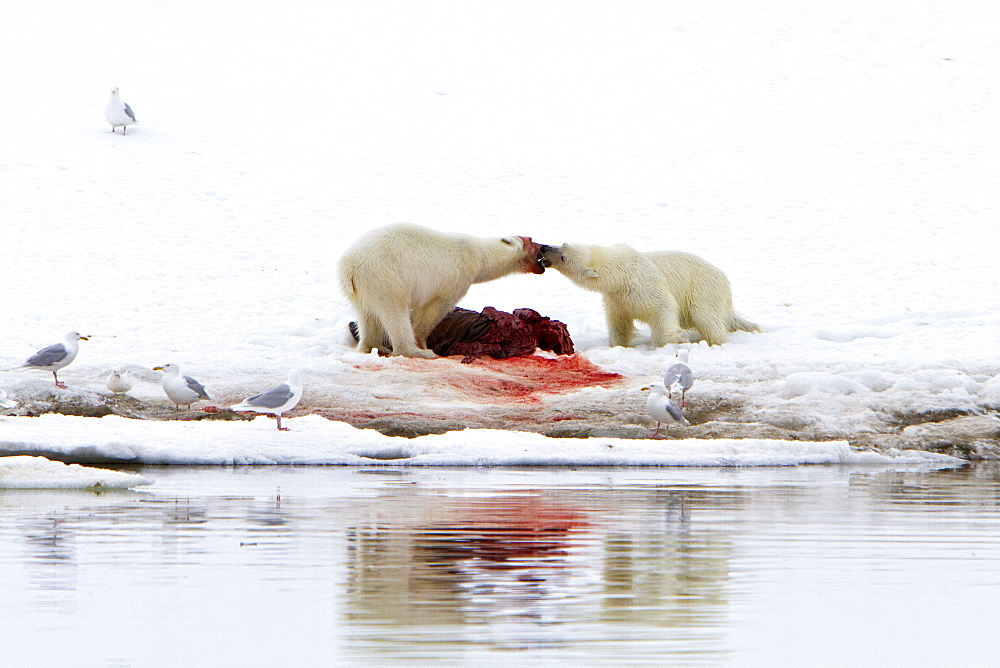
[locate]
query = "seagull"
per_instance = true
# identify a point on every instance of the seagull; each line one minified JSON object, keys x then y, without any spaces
{"x":182,"y":390}
{"x":4,"y":401}
{"x":117,"y":382}
{"x":117,"y":112}
{"x":56,"y":356}
{"x":275,"y":400}
{"x":662,"y":409}
{"x":680,"y":374}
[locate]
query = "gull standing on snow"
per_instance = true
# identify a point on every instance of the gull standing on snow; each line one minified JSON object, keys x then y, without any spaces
{"x":117,"y":382}
{"x":5,"y":402}
{"x":662,"y":409}
{"x":118,"y":113}
{"x":182,"y":390}
{"x":680,"y":374}
{"x":54,"y":357}
{"x":275,"y":400}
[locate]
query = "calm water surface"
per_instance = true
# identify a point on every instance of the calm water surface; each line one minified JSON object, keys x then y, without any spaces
{"x":328,"y":566}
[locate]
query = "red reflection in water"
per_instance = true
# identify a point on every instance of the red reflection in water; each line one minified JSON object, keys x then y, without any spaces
{"x":503,"y":530}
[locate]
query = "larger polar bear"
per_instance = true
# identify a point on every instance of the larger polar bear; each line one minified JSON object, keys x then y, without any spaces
{"x":403,"y":279}
{"x":669,"y":290}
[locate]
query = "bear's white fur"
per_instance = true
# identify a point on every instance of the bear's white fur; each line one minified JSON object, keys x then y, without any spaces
{"x":403,"y":279}
{"x":669,"y":290}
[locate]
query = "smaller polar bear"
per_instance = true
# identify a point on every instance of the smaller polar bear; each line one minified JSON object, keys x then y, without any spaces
{"x":669,"y":290}
{"x":403,"y":279}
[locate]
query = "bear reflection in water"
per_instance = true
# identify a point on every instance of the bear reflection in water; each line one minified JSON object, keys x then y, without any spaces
{"x":419,"y":561}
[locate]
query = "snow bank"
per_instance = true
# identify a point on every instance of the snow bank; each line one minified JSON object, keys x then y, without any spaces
{"x":25,"y":472}
{"x":839,"y":164}
{"x":316,"y":440}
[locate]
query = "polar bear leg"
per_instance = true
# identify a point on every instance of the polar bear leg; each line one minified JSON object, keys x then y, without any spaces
{"x":372,"y":334}
{"x":711,"y":325}
{"x":621,"y":325}
{"x":400,"y":329}
{"x":429,"y":315}
{"x":665,"y":324}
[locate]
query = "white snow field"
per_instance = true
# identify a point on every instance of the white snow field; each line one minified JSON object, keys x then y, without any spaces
{"x":839,"y":162}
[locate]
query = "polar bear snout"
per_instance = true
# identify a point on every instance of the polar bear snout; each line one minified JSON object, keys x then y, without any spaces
{"x":549,"y":254}
{"x":535,"y":262}
{"x":543,"y":260}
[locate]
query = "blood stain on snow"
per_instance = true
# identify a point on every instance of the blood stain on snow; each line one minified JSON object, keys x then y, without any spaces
{"x":519,"y":379}
{"x":433,"y":396}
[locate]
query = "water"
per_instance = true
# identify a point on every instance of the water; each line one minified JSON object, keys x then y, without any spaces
{"x":328,"y":566}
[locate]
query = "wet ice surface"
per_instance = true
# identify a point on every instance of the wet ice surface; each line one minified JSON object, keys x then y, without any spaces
{"x":292,"y":566}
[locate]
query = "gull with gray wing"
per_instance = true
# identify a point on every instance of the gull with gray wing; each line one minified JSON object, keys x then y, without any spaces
{"x":275,"y":400}
{"x":54,"y":357}
{"x":182,"y":390}
{"x":662,"y":409}
{"x":118,"y":113}
{"x":679,"y":374}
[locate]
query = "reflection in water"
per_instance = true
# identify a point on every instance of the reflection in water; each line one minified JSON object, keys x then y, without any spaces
{"x":230,"y":565}
{"x":50,"y":542}
{"x":671,"y":575}
{"x":455,"y":561}
{"x":51,"y":561}
{"x":542,"y":557}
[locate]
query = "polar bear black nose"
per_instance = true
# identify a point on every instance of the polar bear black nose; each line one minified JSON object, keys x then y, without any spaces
{"x":542,"y":260}
{"x":546,"y":252}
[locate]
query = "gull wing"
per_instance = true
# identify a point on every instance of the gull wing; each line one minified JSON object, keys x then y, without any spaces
{"x":47,"y":356}
{"x":276,"y":397}
{"x":196,"y":387}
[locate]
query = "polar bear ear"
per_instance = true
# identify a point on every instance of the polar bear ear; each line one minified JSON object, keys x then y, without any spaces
{"x":590,"y":273}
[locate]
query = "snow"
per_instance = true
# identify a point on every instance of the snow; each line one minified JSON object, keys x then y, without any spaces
{"x":316,"y":440}
{"x":838,"y":162}
{"x":25,"y":472}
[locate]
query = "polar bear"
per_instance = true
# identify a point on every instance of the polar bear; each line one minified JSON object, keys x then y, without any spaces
{"x":403,"y":279}
{"x":669,"y":290}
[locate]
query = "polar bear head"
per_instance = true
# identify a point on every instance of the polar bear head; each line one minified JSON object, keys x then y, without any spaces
{"x":601,"y":268}
{"x":575,"y":261}
{"x":484,"y":259}
{"x":533,"y":261}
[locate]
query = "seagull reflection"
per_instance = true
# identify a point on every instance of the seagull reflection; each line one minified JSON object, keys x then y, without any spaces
{"x":53,"y":555}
